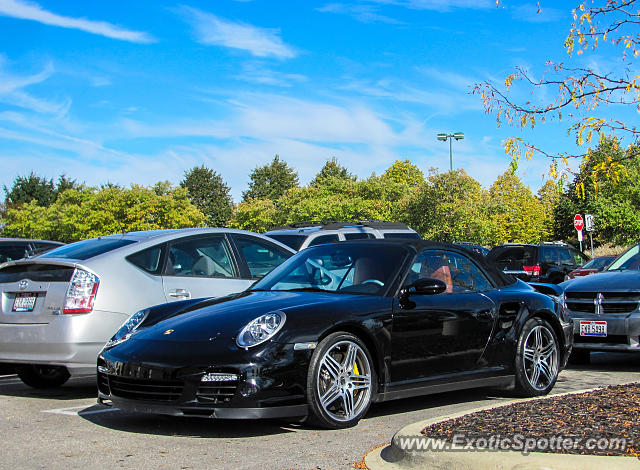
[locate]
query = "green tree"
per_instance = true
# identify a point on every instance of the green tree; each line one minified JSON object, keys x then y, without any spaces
{"x":257,"y":215}
{"x":404,"y":172}
{"x":450,"y":207}
{"x":271,"y":181}
{"x":83,"y":213}
{"x":615,"y":203}
{"x":162,"y":188}
{"x":516,"y":214}
{"x":65,"y":183}
{"x":332,"y":170}
{"x":209,"y":193}
{"x":33,"y":187}
{"x":549,"y":195}
{"x":28,"y":188}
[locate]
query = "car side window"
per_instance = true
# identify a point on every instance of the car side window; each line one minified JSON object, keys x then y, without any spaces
{"x":458,"y":272}
{"x":148,"y":260}
{"x":433,"y":264}
{"x":567,"y":258}
{"x":260,"y":256}
{"x":319,"y":240}
{"x":548,"y":255}
{"x":201,"y":257}
{"x":358,"y":235}
{"x":465,"y":274}
{"x":578,"y":258}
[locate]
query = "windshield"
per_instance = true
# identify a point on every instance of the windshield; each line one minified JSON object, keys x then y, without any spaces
{"x":598,"y":263}
{"x":88,"y":248}
{"x":361,"y":268}
{"x":630,"y":259}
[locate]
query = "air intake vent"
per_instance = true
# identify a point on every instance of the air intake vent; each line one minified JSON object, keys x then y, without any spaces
{"x":148,"y":390}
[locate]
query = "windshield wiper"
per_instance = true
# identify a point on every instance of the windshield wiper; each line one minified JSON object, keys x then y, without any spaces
{"x":307,"y":289}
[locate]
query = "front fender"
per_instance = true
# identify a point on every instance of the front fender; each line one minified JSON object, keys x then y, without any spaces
{"x":547,"y":289}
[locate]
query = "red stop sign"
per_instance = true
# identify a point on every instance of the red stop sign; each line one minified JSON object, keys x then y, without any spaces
{"x":578,"y":222}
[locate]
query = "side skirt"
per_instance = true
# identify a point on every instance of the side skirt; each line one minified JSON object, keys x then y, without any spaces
{"x":403,"y":391}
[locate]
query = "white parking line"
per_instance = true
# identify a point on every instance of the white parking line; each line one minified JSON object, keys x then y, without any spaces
{"x":78,"y":410}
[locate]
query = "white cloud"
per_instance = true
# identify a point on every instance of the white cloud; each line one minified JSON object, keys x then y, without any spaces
{"x":270,"y":117}
{"x":260,"y":42}
{"x":439,"y":5}
{"x":368,"y":11}
{"x":12,"y":91}
{"x":257,"y":73}
{"x":362,"y":13}
{"x":32,"y":11}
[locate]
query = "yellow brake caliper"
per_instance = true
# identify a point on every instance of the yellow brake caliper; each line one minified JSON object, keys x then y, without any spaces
{"x":355,"y":372}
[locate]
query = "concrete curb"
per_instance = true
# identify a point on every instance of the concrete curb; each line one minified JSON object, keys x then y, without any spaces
{"x":394,"y":457}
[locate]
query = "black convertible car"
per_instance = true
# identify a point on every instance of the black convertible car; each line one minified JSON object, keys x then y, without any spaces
{"x":335,"y":328}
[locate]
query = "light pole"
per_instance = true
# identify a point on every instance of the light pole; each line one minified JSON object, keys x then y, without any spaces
{"x":457,"y":136}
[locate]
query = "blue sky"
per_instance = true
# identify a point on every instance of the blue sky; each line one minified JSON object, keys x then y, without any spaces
{"x":140,"y":91}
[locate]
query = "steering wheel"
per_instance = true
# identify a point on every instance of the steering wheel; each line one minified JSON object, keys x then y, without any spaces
{"x":373,"y":281}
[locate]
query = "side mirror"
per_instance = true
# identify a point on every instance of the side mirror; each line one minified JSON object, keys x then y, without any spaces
{"x":425,"y":286}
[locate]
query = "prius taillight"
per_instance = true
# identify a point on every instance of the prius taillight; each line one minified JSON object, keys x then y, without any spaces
{"x":81,"y":292}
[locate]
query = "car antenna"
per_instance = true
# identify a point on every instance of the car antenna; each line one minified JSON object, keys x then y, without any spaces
{"x":122,"y":229}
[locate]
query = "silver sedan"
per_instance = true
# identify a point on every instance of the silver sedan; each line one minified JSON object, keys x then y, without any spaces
{"x":60,"y":308}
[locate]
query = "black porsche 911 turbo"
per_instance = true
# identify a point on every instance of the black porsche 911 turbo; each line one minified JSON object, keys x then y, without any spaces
{"x":335,"y":328}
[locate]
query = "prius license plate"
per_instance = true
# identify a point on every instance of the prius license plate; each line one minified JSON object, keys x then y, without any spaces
{"x":593,"y":328}
{"x":24,"y":302}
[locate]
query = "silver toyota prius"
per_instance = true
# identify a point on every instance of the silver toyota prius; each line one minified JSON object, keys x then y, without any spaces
{"x":59,"y":309}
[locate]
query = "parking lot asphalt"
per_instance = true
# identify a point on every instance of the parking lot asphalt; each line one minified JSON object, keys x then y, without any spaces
{"x":65,"y":428}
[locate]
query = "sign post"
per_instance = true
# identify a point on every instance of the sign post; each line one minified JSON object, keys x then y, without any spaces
{"x":578,"y":223}
{"x":590,"y":225}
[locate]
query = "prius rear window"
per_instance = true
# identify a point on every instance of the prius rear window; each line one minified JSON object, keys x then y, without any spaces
{"x":88,"y":248}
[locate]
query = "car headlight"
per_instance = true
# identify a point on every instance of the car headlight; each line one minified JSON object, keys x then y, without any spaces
{"x":127,"y":328}
{"x":261,"y":329}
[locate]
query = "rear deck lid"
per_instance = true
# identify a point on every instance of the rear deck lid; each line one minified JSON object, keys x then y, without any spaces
{"x":33,"y":292}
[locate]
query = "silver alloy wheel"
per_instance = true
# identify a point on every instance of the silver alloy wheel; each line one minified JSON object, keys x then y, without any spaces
{"x":540,"y":357}
{"x":344,"y":381}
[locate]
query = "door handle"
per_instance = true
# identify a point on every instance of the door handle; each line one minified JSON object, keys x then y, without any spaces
{"x":180,"y":293}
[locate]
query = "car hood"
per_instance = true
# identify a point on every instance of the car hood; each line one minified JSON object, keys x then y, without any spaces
{"x":224,"y":318}
{"x":614,"y":281}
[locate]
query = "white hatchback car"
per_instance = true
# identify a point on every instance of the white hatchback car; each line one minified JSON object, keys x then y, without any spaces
{"x":59,"y":309}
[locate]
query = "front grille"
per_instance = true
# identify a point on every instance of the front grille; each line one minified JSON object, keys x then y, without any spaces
{"x":216,"y":392}
{"x":148,"y":390}
{"x":612,"y":303}
{"x":610,"y":339}
{"x":581,"y":307}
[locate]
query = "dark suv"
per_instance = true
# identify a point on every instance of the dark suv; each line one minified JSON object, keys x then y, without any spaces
{"x":17,"y":248}
{"x":544,"y":262}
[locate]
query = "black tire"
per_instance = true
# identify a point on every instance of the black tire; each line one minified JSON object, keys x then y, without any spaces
{"x":580,"y":356}
{"x":43,"y":376}
{"x":340,"y":382}
{"x":537,"y":361}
